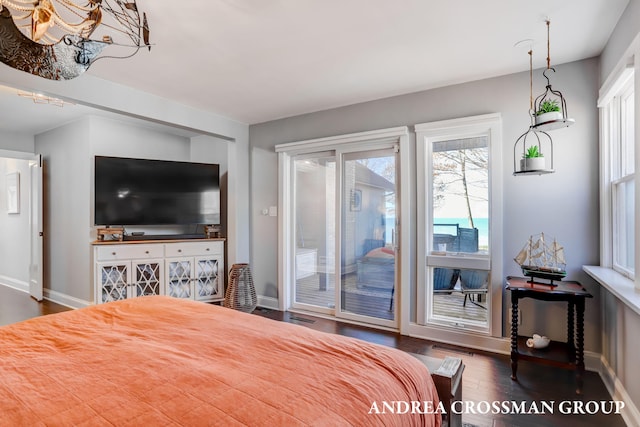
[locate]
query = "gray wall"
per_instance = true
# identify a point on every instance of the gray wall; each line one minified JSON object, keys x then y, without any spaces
{"x":66,"y":185}
{"x":620,"y":324}
{"x":68,"y":153}
{"x":564,"y":204}
{"x":103,"y":94}
{"x":620,"y":39}
{"x":17,"y":142}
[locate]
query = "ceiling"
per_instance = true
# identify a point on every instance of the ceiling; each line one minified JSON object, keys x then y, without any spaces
{"x":260,"y":60}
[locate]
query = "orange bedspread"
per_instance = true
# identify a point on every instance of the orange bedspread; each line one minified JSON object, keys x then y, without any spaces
{"x":164,"y":361}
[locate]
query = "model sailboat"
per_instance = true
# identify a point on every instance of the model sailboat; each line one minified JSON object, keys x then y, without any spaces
{"x":540,"y":259}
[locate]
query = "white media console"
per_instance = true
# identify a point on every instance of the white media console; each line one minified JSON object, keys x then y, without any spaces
{"x":192,"y":269}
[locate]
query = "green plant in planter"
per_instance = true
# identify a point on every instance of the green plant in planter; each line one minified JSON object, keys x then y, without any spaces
{"x":533,"y":152}
{"x":548,"y":106}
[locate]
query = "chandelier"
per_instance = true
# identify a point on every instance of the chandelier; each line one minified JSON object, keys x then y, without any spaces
{"x":55,"y":39}
{"x":39,"y":98}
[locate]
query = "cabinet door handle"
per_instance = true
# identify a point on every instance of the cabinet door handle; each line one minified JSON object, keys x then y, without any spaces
{"x":113,"y":253}
{"x":179,"y":250}
{"x":146,"y":252}
{"x":207,"y":249}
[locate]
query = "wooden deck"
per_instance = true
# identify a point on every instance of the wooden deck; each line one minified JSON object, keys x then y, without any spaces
{"x":376,"y":302}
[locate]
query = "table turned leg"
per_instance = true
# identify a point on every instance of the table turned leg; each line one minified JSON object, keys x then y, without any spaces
{"x":514,"y":335}
{"x":571,"y":324}
{"x":579,"y":344}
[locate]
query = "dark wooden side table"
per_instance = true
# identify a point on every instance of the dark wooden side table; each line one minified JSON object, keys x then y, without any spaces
{"x":566,"y":355}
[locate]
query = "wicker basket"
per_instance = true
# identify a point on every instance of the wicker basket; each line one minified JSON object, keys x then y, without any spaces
{"x":240,"y":293}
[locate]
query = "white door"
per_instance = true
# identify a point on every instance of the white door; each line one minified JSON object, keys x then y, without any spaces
{"x":35,"y":225}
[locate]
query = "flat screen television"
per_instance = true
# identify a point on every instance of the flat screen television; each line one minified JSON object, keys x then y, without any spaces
{"x":134,"y":192}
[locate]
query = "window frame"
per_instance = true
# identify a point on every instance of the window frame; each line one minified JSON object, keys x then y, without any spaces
{"x":489,"y":125}
{"x":614,"y":173}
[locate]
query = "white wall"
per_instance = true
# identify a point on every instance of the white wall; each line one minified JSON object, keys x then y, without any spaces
{"x":14,"y":228}
{"x":564,"y":204}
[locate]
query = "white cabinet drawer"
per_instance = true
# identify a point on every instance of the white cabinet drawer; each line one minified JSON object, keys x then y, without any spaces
{"x":193,"y":248}
{"x":118,"y":252}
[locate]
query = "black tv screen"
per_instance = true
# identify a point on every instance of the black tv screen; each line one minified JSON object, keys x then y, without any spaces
{"x":155,"y":192}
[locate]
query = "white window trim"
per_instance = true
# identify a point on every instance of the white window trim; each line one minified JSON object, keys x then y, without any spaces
{"x":615,"y":282}
{"x":490,"y":124}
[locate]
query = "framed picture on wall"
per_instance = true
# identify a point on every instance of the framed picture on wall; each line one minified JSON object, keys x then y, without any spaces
{"x":13,"y":193}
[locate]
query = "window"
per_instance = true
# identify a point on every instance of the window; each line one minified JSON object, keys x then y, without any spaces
{"x":456,"y":213}
{"x":618,"y":176}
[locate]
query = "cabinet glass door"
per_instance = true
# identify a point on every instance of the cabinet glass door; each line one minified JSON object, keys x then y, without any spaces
{"x":114,"y":282}
{"x":179,"y":278}
{"x":147,"y":278}
{"x":208,"y":280}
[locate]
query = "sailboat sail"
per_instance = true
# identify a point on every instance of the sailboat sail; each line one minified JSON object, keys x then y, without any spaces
{"x":538,"y":259}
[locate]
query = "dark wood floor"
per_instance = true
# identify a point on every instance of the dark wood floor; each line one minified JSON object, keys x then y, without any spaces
{"x":16,"y":306}
{"x":486,"y":376}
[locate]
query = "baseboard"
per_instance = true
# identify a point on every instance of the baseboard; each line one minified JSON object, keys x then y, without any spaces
{"x":64,"y":299}
{"x":630,"y":413}
{"x":16,"y":284}
{"x":268,"y":302}
{"x":467,"y":340}
{"x":592,"y":361}
{"x":49,"y":295}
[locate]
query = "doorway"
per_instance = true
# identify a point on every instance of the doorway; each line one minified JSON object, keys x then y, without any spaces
{"x":21,"y":222}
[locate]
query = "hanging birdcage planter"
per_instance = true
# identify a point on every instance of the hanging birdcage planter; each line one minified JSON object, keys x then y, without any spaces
{"x":533,"y":153}
{"x":533,"y":150}
{"x":550,"y":108}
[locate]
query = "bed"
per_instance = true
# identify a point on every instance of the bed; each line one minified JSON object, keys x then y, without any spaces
{"x":163,"y":361}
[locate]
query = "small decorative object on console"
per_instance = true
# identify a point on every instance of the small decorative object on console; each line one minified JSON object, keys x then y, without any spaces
{"x":212,"y":231}
{"x":538,"y":341}
{"x":111,"y":233}
{"x":538,"y":259}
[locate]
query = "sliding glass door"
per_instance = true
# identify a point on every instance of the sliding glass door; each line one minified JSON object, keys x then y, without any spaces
{"x":314,"y":231}
{"x":367,"y":240}
{"x":340,"y":222}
